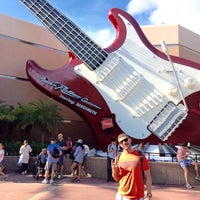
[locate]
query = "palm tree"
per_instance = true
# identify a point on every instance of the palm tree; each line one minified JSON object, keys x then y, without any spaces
{"x":24,"y":115}
{"x":42,"y":114}
{"x":47,"y":116}
{"x":6,"y":117}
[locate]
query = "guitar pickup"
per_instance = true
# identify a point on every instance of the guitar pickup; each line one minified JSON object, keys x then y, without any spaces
{"x":167,"y":120}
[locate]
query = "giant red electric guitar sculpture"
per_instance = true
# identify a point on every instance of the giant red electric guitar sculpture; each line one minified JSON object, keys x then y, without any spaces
{"x":130,"y":83}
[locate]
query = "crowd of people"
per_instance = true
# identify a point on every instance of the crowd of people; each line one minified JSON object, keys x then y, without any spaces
{"x":51,"y":159}
{"x":55,"y":161}
{"x":126,"y":164}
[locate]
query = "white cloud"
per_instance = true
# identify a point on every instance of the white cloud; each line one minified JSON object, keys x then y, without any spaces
{"x":183,"y":12}
{"x":104,"y":37}
{"x":140,"y":6}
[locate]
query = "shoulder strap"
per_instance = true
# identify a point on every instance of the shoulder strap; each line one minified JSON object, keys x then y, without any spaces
{"x":109,"y":147}
{"x":141,"y":160}
{"x":141,"y":156}
{"x":116,"y":149}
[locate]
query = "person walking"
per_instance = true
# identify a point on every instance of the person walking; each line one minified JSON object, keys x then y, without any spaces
{"x":79,"y":155}
{"x":2,"y":153}
{"x":112,"y":151}
{"x":53,"y":152}
{"x":182,"y":157}
{"x":127,"y":169}
{"x":24,"y":152}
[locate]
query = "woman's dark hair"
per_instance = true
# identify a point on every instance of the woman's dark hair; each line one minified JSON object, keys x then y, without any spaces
{"x":79,"y":144}
{"x":141,"y":143}
{"x":184,"y":144}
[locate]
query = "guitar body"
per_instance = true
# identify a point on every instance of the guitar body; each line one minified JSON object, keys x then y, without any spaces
{"x":134,"y":106}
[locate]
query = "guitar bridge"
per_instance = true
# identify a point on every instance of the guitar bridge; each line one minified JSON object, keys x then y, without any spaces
{"x":167,"y":120}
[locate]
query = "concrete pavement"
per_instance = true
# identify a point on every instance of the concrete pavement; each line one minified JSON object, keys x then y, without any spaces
{"x":24,"y":187}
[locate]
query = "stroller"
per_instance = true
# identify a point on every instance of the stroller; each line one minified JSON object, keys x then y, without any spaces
{"x":38,"y":168}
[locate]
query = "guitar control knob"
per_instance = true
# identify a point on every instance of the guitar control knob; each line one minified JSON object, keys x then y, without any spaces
{"x":189,"y":83}
{"x":173,"y":91}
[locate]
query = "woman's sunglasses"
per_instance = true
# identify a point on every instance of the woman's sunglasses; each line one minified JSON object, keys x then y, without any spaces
{"x":124,"y":140}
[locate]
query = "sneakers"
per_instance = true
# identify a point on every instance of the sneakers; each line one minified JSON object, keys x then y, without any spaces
{"x":45,"y":181}
{"x":74,"y":179}
{"x":24,"y":172}
{"x":188,"y":186}
{"x":77,"y":180}
{"x":5,"y":177}
{"x":197,"y":178}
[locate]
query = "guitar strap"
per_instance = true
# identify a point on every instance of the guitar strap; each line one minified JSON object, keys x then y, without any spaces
{"x":141,"y":160}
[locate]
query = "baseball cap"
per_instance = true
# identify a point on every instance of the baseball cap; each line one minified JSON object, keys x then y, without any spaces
{"x":80,"y":141}
{"x":122,"y":136}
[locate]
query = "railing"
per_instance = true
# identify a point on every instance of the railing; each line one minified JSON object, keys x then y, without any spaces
{"x":169,"y":157}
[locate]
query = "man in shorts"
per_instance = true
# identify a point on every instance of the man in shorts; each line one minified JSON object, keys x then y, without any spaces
{"x":62,"y":143}
{"x":51,"y":163}
{"x":182,"y":156}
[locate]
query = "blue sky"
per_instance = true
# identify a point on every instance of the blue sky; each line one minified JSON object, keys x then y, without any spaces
{"x":88,"y":13}
{"x":91,"y":15}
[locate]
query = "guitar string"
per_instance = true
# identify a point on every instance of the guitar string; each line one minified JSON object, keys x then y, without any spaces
{"x":75,"y":33}
{"x":37,"y":9}
{"x":60,"y":18}
{"x":51,"y":25}
{"x":49,"y":11}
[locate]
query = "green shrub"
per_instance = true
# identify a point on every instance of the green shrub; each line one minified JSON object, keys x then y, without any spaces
{"x":37,"y":146}
{"x":12,"y":148}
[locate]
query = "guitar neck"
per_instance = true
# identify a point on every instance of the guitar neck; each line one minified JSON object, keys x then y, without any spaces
{"x":91,"y":54}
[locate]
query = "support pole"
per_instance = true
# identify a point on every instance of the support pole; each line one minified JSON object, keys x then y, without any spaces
{"x":165,"y":50}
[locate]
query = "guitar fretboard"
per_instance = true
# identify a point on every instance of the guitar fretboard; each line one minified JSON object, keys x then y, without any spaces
{"x":91,"y":54}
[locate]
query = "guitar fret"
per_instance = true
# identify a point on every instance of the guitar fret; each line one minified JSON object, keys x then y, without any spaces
{"x":79,"y":42}
{"x":43,"y":13}
{"x":83,"y":49}
{"x":69,"y":34}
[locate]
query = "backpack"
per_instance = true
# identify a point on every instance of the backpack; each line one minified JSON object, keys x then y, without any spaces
{"x":141,"y":160}
{"x":55,"y":153}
